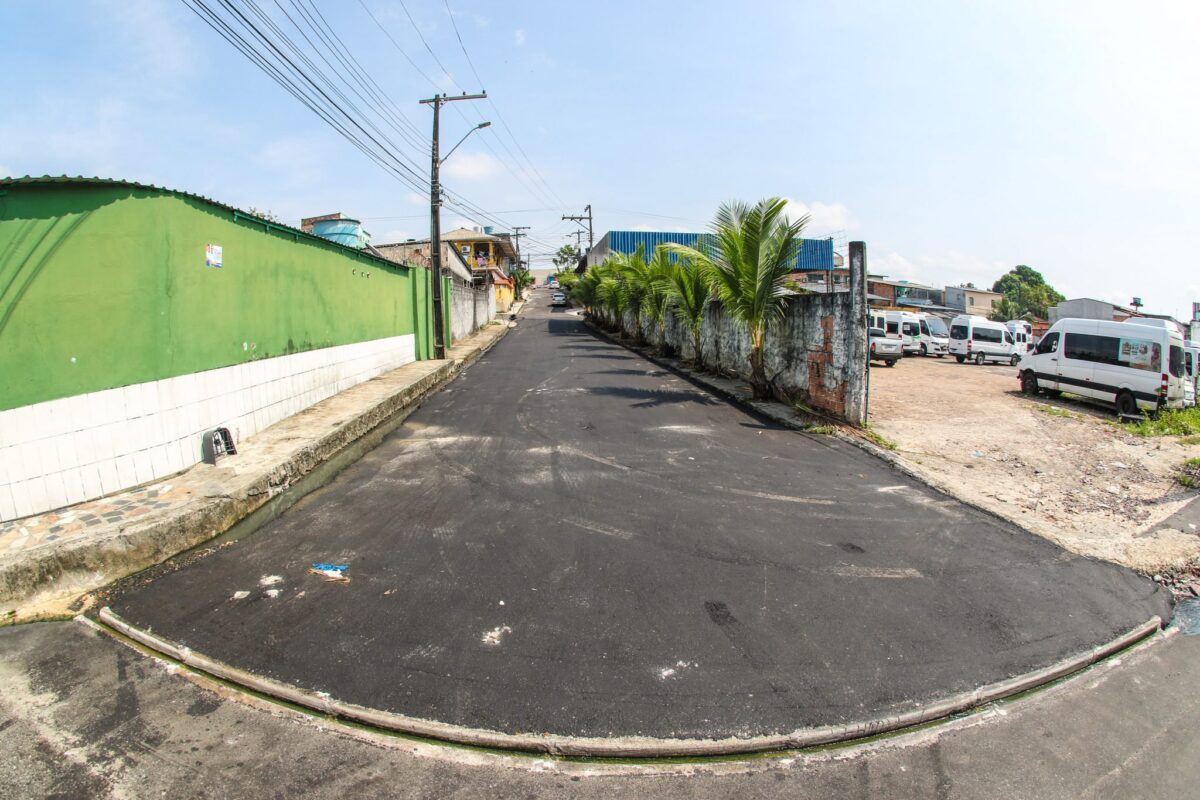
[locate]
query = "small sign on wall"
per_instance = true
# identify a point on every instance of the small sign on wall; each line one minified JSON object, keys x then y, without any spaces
{"x":213,"y":255}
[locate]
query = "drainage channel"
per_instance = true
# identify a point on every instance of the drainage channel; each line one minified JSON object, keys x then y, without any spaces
{"x":626,"y":748}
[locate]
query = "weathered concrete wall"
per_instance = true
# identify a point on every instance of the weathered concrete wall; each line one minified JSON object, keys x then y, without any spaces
{"x":813,"y":356}
{"x":470,"y":309}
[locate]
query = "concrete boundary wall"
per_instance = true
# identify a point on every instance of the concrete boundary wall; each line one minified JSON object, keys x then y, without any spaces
{"x":813,"y":356}
{"x":470,"y":309}
{"x":65,"y":451}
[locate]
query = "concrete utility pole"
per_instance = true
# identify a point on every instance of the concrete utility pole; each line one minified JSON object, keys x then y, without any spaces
{"x":580,"y":219}
{"x":516,"y":235}
{"x":435,"y":215}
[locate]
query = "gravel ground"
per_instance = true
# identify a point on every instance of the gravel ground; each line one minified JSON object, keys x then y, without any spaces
{"x":1060,"y":468}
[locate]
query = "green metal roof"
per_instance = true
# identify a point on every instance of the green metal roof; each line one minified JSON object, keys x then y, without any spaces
{"x":33,"y":180}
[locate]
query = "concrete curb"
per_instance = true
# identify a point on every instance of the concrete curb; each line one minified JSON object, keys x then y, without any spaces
{"x":78,"y":567}
{"x":627,"y":747}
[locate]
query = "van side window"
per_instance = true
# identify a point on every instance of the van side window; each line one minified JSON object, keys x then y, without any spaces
{"x":924,"y":328}
{"x":1097,"y":349}
{"x":893,"y":327}
{"x":1008,"y":339}
{"x":958,"y":332}
{"x":987,"y":335}
{"x":1048,"y":344}
{"x":1176,"y":361}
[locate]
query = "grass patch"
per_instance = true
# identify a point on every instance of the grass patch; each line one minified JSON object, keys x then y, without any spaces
{"x":1190,"y":440}
{"x":1189,"y":473}
{"x":875,"y":438}
{"x":823,"y":430}
{"x":1178,"y":422}
{"x":1055,"y":411}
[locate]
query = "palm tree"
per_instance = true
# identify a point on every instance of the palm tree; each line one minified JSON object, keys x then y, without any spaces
{"x":749,"y":262}
{"x":655,"y":297}
{"x":689,"y":292}
{"x":1004,"y":310}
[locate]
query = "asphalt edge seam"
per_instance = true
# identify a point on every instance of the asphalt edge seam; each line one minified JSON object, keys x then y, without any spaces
{"x":628,"y":747}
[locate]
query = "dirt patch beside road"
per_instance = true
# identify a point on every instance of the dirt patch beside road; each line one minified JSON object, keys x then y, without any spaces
{"x":1059,"y":468}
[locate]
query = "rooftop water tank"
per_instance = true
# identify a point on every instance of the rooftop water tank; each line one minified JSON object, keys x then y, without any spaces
{"x":487,"y":229}
{"x":343,"y":231}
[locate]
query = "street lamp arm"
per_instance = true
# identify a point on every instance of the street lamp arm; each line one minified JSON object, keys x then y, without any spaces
{"x":463,"y":139}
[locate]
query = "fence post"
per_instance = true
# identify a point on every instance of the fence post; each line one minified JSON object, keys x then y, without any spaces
{"x":856,"y":338}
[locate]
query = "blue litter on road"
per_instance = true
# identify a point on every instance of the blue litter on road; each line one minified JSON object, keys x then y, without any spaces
{"x":331,"y":567}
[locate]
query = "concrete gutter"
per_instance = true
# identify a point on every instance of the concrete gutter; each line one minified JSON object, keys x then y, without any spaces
{"x":46,"y":581}
{"x":628,"y":746}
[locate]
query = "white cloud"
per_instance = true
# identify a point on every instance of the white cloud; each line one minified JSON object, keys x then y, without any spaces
{"x":519,"y":37}
{"x":948,"y":268}
{"x":824,"y":218}
{"x":472,"y":166}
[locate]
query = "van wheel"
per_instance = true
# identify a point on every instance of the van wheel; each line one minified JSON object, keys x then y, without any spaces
{"x":891,"y":362}
{"x":924,"y":352}
{"x":1029,"y":384}
{"x":979,"y":359}
{"x":1126,"y":405}
{"x":1016,"y":359}
{"x":960,"y":359}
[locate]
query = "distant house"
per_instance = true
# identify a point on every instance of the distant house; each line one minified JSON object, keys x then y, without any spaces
{"x":417,"y":252}
{"x":480,"y":248}
{"x":972,"y":301}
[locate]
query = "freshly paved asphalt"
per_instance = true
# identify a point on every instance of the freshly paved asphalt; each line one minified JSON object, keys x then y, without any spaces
{"x":569,"y":540}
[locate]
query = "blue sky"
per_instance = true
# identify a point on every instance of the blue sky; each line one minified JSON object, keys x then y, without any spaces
{"x":957,"y":139}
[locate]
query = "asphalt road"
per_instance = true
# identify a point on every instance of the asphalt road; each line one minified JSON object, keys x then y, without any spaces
{"x":569,"y":540}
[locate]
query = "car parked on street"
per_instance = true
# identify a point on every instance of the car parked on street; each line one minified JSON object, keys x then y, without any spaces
{"x":981,"y":340}
{"x":884,"y":348}
{"x":558,"y":299}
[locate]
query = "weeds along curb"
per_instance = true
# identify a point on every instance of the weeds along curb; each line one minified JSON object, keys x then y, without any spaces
{"x":626,"y":746}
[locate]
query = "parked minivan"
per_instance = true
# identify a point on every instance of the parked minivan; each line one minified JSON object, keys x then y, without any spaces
{"x":981,"y":340}
{"x":1022,"y":333}
{"x":1132,"y":366}
{"x":935,"y":336}
{"x":905,"y":326}
{"x":1191,"y":365}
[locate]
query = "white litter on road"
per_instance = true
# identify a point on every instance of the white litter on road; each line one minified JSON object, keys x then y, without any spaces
{"x":240,"y":595}
{"x":270,"y":580}
{"x":670,"y":672}
{"x":493,"y":636}
{"x":272,"y":593}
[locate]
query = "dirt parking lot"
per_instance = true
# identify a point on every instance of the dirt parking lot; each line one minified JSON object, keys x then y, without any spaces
{"x":1061,"y":468}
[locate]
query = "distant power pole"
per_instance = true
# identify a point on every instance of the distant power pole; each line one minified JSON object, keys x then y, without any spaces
{"x":516,"y":235}
{"x":580,"y":219}
{"x":435,"y":216}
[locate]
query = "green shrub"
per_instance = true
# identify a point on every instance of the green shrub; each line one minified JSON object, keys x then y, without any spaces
{"x":1180,"y":422}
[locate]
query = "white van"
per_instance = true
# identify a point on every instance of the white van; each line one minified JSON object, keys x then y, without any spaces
{"x":1022,"y":333}
{"x":1132,"y":366}
{"x":1191,"y":366}
{"x":935,"y":336}
{"x":981,"y":340}
{"x":905,"y":326}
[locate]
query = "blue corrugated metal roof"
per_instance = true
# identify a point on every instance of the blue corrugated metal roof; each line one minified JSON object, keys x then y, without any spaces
{"x":815,"y":254}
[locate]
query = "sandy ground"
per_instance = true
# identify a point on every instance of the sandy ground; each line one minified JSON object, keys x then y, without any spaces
{"x":1060,"y":468}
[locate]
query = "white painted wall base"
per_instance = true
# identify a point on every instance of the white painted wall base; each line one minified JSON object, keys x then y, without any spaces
{"x":62,"y":452}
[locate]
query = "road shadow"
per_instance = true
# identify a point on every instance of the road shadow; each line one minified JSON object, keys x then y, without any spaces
{"x":654,"y":397}
{"x":568,"y":327}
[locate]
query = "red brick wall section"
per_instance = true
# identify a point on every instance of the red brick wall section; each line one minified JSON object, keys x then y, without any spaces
{"x":820,"y":360}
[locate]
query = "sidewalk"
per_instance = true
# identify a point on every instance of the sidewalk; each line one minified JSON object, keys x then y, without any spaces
{"x":49,"y":560}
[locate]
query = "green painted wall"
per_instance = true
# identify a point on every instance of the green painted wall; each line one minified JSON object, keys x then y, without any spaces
{"x":105,"y":285}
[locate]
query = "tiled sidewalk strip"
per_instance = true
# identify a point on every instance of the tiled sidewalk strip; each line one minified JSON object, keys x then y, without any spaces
{"x":65,"y":553}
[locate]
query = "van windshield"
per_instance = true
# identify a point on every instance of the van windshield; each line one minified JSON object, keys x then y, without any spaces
{"x":937,"y":327}
{"x":958,"y":331}
{"x":1176,"y":361}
